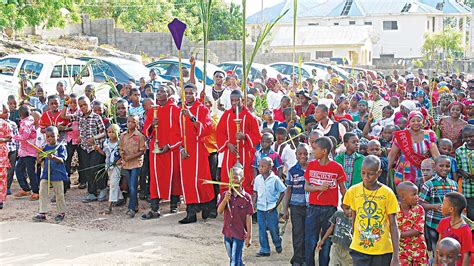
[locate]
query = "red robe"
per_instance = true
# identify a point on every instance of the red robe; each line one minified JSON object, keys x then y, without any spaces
{"x":164,"y":167}
{"x":225,"y":133}
{"x":195,"y":169}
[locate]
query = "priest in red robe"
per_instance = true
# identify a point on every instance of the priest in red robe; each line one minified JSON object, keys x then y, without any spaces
{"x":227,"y":135}
{"x":196,"y":125}
{"x":164,"y":166}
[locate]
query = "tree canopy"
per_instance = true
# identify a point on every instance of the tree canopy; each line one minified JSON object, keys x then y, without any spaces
{"x":447,"y":42}
{"x":16,"y":14}
{"x":154,"y":15}
{"x":132,"y":15}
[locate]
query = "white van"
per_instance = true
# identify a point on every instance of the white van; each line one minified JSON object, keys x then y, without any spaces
{"x":47,"y":69}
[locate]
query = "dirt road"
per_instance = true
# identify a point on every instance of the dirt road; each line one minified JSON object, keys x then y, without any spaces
{"x":86,"y":236}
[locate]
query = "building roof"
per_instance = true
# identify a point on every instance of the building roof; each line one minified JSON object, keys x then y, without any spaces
{"x":447,"y":6}
{"x":321,"y":35}
{"x":355,"y":8}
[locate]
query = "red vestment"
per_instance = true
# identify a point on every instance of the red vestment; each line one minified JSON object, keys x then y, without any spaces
{"x":226,"y":132}
{"x":164,"y":167}
{"x":195,"y":169}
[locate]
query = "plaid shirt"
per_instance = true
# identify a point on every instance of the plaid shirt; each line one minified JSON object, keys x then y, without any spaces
{"x":13,"y":145}
{"x":349,"y":167}
{"x":464,"y":160}
{"x":432,"y":192}
{"x":89,"y":126}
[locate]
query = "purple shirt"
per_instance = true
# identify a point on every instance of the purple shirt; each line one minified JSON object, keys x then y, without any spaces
{"x":234,"y":220}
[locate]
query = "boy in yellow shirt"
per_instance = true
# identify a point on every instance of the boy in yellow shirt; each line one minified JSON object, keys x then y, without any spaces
{"x":374,"y":207}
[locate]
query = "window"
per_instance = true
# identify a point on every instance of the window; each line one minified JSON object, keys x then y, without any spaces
{"x":390,"y":25}
{"x":352,"y":22}
{"x":406,"y":8}
{"x":31,"y":69}
{"x":57,"y":72}
{"x":336,"y":24}
{"x":280,"y":68}
{"x":313,"y":24}
{"x":387,"y":56}
{"x":433,"y":23}
{"x":368,"y":23}
{"x":346,"y":8}
{"x":323,"y":54}
{"x":8,"y":66}
{"x":428,"y":24}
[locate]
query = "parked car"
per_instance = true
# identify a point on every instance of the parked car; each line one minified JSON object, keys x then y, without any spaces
{"x":255,"y":70}
{"x":356,"y":70}
{"x":341,"y":72}
{"x":123,"y":70}
{"x":288,"y":68}
{"x":340,"y":60}
{"x":45,"y":68}
{"x":168,"y":69}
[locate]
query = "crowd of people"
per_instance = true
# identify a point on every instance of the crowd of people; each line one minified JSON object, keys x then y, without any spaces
{"x":367,"y":171}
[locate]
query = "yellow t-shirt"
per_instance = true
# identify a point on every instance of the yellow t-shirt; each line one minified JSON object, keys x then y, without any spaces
{"x":371,"y":226}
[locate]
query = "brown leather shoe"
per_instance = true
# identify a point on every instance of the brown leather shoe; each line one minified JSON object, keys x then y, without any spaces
{"x":22,"y":193}
{"x":34,"y":197}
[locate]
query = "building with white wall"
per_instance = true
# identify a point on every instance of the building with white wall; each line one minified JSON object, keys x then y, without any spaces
{"x":398,"y":27}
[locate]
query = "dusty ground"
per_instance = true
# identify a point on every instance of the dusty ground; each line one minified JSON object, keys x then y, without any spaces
{"x":87,"y":236}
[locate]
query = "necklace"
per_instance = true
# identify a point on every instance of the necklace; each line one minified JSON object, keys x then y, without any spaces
{"x":458,"y":222}
{"x":373,"y":194}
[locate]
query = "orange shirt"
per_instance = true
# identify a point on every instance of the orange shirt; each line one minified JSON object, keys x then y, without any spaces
{"x":132,"y":143}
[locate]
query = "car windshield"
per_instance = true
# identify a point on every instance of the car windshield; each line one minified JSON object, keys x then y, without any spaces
{"x":135,"y":70}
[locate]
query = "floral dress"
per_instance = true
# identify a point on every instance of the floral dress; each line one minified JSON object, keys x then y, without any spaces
{"x":404,"y":170}
{"x":413,"y":250}
{"x":452,"y":131}
{"x":5,"y":132}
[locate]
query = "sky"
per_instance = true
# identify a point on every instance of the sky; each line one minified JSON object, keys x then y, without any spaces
{"x":254,"y":6}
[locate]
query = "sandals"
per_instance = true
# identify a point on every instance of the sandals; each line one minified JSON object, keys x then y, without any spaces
{"x":107,"y":211}
{"x":59,"y":218}
{"x":39,"y":217}
{"x":151,"y":215}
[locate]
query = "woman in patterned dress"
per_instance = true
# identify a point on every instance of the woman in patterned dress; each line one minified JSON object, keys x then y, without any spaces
{"x":411,"y":146}
{"x":5,"y":136}
{"x":450,"y":127}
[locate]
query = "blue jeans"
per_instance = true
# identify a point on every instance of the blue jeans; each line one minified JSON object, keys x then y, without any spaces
{"x":26,"y":166}
{"x":316,"y":223}
{"x":132,"y":181}
{"x":268,"y":220}
{"x":234,"y":249}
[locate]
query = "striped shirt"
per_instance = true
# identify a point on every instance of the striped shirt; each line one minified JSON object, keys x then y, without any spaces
{"x":433,"y":192}
{"x":464,"y":161}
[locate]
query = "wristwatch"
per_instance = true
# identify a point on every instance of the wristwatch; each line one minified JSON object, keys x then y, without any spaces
{"x":193,"y":119}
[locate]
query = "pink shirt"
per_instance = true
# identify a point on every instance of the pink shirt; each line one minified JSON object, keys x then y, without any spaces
{"x":73,"y":135}
{"x":27,"y":133}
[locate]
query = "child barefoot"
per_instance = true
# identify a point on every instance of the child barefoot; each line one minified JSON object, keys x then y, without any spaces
{"x":411,"y":223}
{"x":112,"y":164}
{"x":238,"y":212}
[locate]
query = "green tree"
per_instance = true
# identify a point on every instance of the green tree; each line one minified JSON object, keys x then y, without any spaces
{"x":447,"y":42}
{"x":154,"y":15}
{"x":17,"y":14}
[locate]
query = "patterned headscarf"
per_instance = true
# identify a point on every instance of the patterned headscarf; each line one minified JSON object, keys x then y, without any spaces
{"x":460,"y":104}
{"x":415,"y":114}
